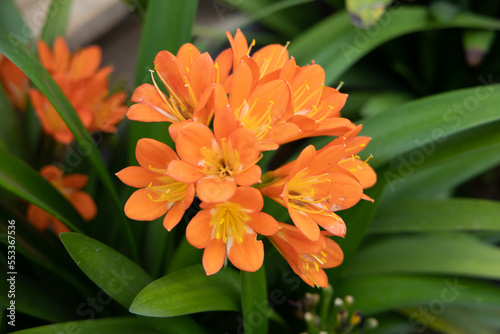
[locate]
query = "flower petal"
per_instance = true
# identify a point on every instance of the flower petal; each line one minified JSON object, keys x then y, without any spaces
{"x":176,"y":212}
{"x":263,"y":223}
{"x":75,"y":181}
{"x":214,"y":190}
{"x":84,"y":204}
{"x":187,"y":53}
{"x":249,"y":177}
{"x":248,"y":198}
{"x":39,"y":217}
{"x":184,"y":172}
{"x":199,"y":232}
{"x":333,"y":224}
{"x":191,"y":139}
{"x":305,"y":224}
{"x":345,"y":190}
{"x":201,"y":74}
{"x":214,"y":256}
{"x":85,"y":62}
{"x":140,"y":207}
{"x":247,"y":256}
{"x":151,"y":153}
{"x":138,"y":177}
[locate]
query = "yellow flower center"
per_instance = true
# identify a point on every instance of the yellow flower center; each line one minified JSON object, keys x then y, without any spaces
{"x":228,"y":220}
{"x":259,"y":124}
{"x":170,"y":191}
{"x":302,"y":193}
{"x":177,"y":110}
{"x":221,"y":161}
{"x":316,"y":260}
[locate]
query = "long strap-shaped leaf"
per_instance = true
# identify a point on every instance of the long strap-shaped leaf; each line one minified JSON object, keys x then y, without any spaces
{"x":446,"y":253}
{"x":187,"y":291}
{"x":431,"y":119}
{"x":22,"y":180}
{"x":456,"y":214}
{"x":29,"y":64}
{"x":379,"y":293}
{"x":337,"y":45}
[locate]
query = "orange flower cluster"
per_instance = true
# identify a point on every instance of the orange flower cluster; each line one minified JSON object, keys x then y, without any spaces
{"x":224,"y":113}
{"x":70,"y":186}
{"x":86,"y":87}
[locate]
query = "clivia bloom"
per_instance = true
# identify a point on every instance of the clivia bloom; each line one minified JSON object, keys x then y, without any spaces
{"x":86,"y":87}
{"x":15,"y":83}
{"x":230,"y":228}
{"x":159,"y":194}
{"x":351,"y":162}
{"x":188,"y":79}
{"x":312,"y":189}
{"x":218,"y":162}
{"x":70,"y":186}
{"x":307,"y":258}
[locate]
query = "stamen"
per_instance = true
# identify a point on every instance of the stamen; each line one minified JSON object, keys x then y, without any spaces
{"x":250,"y":47}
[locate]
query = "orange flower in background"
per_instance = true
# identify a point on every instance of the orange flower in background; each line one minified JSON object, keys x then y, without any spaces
{"x":15,"y":83}
{"x":86,"y":87}
{"x":307,"y":258}
{"x":159,"y":194}
{"x":70,"y":186}
{"x":313,"y":188}
{"x":189,"y":80}
{"x":230,"y":228}
{"x":218,"y":162}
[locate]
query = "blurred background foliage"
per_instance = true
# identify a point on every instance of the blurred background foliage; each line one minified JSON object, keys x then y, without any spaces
{"x":424,"y":258}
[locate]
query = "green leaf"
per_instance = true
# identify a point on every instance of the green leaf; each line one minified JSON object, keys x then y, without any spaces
{"x":56,"y":21}
{"x":420,"y":215}
{"x":336,"y":45}
{"x":124,"y":325}
{"x":30,"y":65}
{"x":429,"y":120}
{"x":34,"y":299}
{"x":450,"y":253}
{"x":254,"y":301}
{"x":11,"y":134}
{"x":379,"y":293}
{"x":12,"y":21}
{"x":418,"y":174}
{"x":117,"y":275}
{"x":187,"y":291}
{"x":460,"y":319}
{"x":23,"y":181}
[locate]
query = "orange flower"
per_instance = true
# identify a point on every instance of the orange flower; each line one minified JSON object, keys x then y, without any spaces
{"x":351,"y":162}
{"x":308,"y":258}
{"x":69,"y":186}
{"x":218,"y":162}
{"x":188,"y":78}
{"x":15,"y":83}
{"x":231,"y":228}
{"x":315,"y":109}
{"x":313,"y":187}
{"x":159,"y":194}
{"x":85,"y":86}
